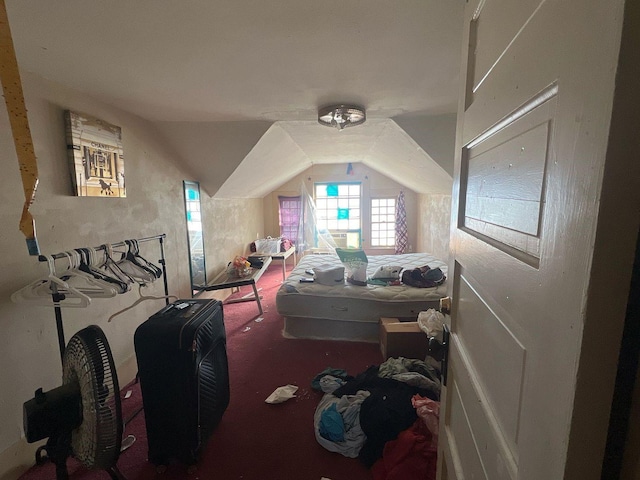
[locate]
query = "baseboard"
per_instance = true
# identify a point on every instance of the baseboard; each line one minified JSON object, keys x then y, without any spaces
{"x":17,"y":459}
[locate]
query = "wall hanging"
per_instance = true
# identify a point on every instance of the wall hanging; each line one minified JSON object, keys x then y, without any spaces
{"x":95,"y":155}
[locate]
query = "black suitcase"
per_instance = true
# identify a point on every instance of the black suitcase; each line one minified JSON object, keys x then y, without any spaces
{"x":184,"y":378}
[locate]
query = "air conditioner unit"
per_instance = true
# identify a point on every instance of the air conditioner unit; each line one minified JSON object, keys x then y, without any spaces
{"x":340,"y":239}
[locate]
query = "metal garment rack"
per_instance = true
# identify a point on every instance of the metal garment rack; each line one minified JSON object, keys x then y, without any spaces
{"x":58,"y":310}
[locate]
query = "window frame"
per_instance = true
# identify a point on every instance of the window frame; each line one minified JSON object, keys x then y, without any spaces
{"x":349,"y":203}
{"x":390,"y":228}
{"x":292,"y":227}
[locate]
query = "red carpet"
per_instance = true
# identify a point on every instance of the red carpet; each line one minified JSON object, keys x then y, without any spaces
{"x":255,"y":440}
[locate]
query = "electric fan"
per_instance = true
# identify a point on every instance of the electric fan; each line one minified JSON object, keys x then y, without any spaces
{"x":83,"y":417}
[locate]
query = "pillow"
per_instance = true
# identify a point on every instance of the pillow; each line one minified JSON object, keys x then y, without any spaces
{"x":329,"y":274}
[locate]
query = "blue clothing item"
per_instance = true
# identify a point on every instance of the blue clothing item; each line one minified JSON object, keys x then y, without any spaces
{"x":348,"y":406}
{"x":332,"y":425}
{"x":329,"y":383}
{"x":335,"y":372}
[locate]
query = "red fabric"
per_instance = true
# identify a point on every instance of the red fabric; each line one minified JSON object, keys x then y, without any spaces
{"x":412,"y":456}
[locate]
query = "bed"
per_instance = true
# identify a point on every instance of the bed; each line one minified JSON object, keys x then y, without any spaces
{"x":350,"y":312}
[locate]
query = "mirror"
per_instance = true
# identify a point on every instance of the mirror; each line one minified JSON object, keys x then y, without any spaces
{"x":195,"y":233}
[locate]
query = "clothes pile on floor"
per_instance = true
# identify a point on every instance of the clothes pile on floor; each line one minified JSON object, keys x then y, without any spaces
{"x":386,"y":416}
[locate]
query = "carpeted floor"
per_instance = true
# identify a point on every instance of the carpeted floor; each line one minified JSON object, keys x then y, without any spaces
{"x":255,"y":440}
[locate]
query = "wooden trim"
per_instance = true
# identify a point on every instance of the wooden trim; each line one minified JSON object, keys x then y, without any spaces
{"x":14,"y":99}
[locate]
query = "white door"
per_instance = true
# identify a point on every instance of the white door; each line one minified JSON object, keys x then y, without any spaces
{"x":528,"y":390}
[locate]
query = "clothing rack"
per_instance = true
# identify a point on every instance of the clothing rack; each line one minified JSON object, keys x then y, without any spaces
{"x":58,"y":310}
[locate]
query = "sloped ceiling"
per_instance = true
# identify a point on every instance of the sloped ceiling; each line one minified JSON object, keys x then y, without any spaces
{"x":235,"y":86}
{"x":379,"y":144}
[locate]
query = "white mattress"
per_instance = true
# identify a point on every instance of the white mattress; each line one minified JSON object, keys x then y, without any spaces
{"x":352,"y":312}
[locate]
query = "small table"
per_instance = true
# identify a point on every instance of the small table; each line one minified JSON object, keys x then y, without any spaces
{"x":227,"y":280}
{"x":283,"y":256}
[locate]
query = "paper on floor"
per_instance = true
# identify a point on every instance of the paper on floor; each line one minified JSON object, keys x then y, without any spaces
{"x":282,"y":394}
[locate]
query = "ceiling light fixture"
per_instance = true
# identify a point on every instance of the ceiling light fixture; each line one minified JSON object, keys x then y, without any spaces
{"x":341,"y":116}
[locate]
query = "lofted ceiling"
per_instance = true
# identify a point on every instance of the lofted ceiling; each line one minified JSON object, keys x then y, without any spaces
{"x":235,"y":86}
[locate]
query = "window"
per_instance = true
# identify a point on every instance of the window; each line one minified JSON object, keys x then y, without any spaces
{"x":289,"y":216}
{"x":383,"y":222}
{"x":338,"y":211}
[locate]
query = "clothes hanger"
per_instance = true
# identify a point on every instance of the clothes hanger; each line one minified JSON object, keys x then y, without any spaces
{"x":157,"y":270}
{"x":94,"y":264}
{"x":129,"y":265}
{"x":88,"y":265}
{"x":51,"y":291}
{"x":140,"y":300}
{"x":80,"y":278}
{"x":133,"y":255}
{"x":110,"y":266}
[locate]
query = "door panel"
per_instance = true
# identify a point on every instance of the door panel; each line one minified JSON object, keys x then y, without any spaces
{"x":496,"y":28}
{"x":533,"y":124}
{"x":519,"y":76}
{"x":479,"y":327}
{"x":502,"y":178}
{"x":479,"y":441}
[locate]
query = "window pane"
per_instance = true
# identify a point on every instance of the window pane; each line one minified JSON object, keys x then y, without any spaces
{"x":338,"y":208}
{"x":383,"y":222}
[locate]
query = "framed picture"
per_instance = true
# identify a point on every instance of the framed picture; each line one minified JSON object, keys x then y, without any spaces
{"x":95,"y":155}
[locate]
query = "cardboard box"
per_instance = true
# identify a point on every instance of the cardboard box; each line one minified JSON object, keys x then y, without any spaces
{"x":402,"y":339}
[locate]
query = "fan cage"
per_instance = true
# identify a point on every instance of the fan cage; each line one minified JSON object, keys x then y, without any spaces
{"x":88,"y":360}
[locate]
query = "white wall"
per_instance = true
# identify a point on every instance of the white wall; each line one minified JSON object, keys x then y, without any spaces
{"x":435,"y":134}
{"x":434,"y":218}
{"x":29,"y":354}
